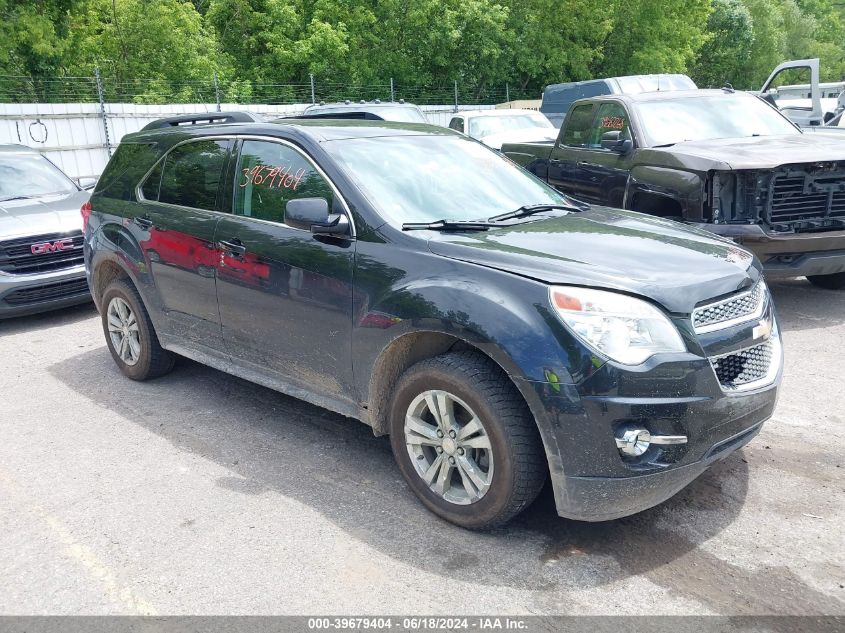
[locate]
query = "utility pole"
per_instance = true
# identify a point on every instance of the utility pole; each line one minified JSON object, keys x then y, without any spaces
{"x":392,"y":94}
{"x":456,"y":95}
{"x":313,"y":99}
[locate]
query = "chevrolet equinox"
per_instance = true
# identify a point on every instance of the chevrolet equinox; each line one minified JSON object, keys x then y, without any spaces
{"x":412,"y":278}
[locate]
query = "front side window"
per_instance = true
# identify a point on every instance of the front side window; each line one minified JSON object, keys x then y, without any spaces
{"x":30,"y":175}
{"x":578,"y":124}
{"x":269,"y":175}
{"x":611,"y":117}
{"x":191,"y":175}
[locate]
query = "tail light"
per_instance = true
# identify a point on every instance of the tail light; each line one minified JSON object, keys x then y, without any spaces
{"x":86,"y":213}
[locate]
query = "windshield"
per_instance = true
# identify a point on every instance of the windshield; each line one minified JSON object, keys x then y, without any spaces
{"x":482,"y":126}
{"x":704,"y":118}
{"x":433,"y":177}
{"x":30,"y":175}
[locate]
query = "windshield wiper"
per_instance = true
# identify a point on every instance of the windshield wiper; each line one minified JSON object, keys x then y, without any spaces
{"x":447,"y":225}
{"x":16,"y":198}
{"x":531,"y":209}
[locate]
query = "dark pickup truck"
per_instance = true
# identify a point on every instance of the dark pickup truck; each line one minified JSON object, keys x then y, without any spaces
{"x":722,"y":160}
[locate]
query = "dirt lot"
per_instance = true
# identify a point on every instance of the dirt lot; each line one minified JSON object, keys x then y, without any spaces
{"x":200,"y":493}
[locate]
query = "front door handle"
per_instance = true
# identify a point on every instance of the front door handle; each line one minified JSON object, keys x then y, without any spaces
{"x":233,"y":246}
{"x":584,"y":165}
{"x":143,"y":221}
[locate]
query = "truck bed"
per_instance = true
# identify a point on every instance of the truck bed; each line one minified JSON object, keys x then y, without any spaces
{"x":532,"y":156}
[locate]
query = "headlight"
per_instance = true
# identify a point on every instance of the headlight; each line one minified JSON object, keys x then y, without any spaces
{"x":626,"y":330}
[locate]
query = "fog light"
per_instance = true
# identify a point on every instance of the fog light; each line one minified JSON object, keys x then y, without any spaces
{"x":635,"y":441}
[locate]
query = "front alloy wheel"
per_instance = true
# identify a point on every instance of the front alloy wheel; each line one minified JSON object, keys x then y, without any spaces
{"x":123,"y":331}
{"x":449,"y":447}
{"x":465,"y":441}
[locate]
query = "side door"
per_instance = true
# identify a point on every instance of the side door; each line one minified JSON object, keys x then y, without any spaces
{"x":603,"y":172}
{"x":565,"y":171}
{"x":285,"y":294}
{"x":175,"y":227}
{"x":801,"y":111}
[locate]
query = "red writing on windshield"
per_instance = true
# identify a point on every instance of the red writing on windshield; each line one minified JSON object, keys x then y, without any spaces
{"x":613,"y":122}
{"x":279,"y":177}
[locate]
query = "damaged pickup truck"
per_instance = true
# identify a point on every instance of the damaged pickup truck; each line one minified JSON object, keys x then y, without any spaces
{"x":722,"y":160}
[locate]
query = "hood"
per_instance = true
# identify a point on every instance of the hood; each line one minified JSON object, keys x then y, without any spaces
{"x":668,"y":262}
{"x":762,"y":152}
{"x":42,"y":215}
{"x":528,"y":135}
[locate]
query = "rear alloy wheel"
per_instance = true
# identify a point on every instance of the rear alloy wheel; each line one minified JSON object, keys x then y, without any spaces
{"x":836,"y":281}
{"x":130,"y":336}
{"x":465,"y":441}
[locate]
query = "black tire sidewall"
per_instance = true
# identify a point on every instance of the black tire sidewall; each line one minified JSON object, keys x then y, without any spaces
{"x":141,"y":369}
{"x":834,"y":281}
{"x":497,"y":499}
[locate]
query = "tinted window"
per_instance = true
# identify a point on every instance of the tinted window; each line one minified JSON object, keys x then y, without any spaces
{"x":29,"y":175}
{"x":271,"y":174}
{"x":611,"y":117}
{"x":128,"y":165}
{"x":151,"y":184}
{"x":192,"y":172}
{"x":457,"y":124}
{"x":578,"y":124}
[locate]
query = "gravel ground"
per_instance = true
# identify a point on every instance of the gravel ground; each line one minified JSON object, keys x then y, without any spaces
{"x":200,"y":493}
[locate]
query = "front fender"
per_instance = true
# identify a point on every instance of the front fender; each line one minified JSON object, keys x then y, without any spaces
{"x":686,"y":188}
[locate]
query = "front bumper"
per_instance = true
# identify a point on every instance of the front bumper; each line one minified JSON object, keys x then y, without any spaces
{"x":788,"y":254}
{"x":21,"y":295}
{"x":672,"y":395}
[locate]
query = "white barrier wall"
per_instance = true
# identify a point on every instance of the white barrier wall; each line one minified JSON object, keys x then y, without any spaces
{"x":73,"y":136}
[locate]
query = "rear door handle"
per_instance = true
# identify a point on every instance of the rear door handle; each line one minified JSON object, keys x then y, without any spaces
{"x":143,"y":221}
{"x":584,"y":165}
{"x":233,"y":246}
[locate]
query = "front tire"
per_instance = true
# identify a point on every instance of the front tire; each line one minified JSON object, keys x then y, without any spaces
{"x":130,"y":336}
{"x":465,"y":440}
{"x":835,"y":281}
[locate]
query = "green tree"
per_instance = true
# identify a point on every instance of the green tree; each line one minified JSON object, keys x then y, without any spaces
{"x":730,"y":35}
{"x":654,"y":36}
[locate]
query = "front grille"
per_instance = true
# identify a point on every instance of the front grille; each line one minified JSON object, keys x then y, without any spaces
{"x":17,"y":258}
{"x":743,"y":367}
{"x":717,"y":315}
{"x":47,"y":292}
{"x":798,"y":198}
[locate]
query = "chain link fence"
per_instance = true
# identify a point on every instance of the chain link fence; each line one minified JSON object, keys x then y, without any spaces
{"x":102,"y":88}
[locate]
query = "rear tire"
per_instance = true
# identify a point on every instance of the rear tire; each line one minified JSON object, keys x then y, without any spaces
{"x":130,"y":336}
{"x":475,"y":475}
{"x":835,"y":281}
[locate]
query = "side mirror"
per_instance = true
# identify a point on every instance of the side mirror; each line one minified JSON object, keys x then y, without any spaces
{"x":312,"y":214}
{"x":615,"y":143}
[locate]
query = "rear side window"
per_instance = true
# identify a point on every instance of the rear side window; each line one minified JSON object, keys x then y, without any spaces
{"x":191,"y":175}
{"x":152,"y":183}
{"x":577,"y":125}
{"x":125,"y":169}
{"x":270,"y":175}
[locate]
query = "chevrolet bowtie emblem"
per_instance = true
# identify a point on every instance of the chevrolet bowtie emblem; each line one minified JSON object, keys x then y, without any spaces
{"x":763,"y":330}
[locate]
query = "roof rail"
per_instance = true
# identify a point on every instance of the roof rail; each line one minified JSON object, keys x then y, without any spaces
{"x":203,"y":118}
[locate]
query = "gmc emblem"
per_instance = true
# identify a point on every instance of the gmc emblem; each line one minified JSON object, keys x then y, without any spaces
{"x":51,"y":247}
